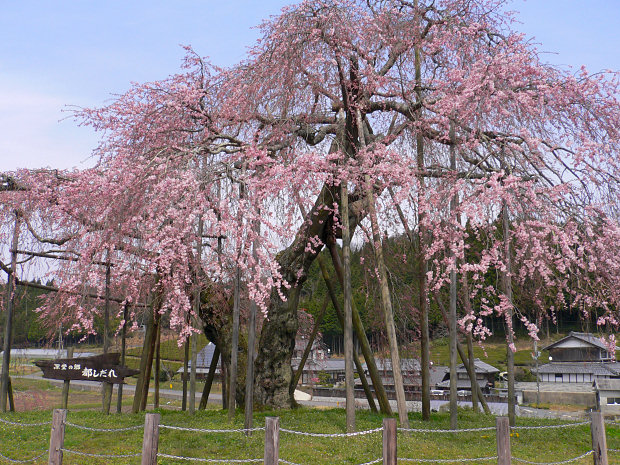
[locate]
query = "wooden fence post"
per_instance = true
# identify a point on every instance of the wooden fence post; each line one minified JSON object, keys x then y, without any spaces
{"x":150,"y":442}
{"x":599,"y":439}
{"x":10,"y":396}
{"x":389,"y":441}
{"x":502,"y":427}
{"x":272,"y":440}
{"x":57,"y":437}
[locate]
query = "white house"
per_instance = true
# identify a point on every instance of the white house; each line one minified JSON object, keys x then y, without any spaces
{"x":608,"y":395}
{"x":578,"y":358}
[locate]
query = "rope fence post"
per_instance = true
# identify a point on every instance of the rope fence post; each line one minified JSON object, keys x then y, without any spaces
{"x":502,"y":426}
{"x":272,"y":440}
{"x":57,"y":437}
{"x":389,"y":441}
{"x":150,"y":442}
{"x":599,"y":439}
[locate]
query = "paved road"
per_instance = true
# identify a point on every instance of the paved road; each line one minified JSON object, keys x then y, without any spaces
{"x":416,"y":406}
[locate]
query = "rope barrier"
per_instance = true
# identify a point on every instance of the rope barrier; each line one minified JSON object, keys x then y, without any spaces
{"x":105,"y":430}
{"x":464,"y":430}
{"x":334,"y":435}
{"x":201,"y":430}
{"x":9,"y":459}
{"x":566,"y":425}
{"x":379,"y":460}
{"x":372,"y":462}
{"x":474,"y":459}
{"x":87,"y":454}
{"x":574,"y":459}
{"x":198,"y":459}
{"x":43,"y":423}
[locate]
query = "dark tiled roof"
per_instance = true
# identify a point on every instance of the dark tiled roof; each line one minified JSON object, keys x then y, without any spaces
{"x":607,"y":384}
{"x":604,"y":369}
{"x":438,"y":373}
{"x":406,"y":364}
{"x":327,"y":364}
{"x":585,"y":337}
{"x":481,"y":367}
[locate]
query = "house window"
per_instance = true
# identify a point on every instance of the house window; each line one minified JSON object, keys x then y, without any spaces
{"x":613,"y":401}
{"x":558,"y":377}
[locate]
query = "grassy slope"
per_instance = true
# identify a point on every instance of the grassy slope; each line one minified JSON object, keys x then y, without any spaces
{"x":541,"y":445}
{"x":169,"y":349}
{"x":492,"y":352}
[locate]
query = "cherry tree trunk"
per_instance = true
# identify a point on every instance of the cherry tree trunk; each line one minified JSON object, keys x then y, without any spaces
{"x":277,"y":340}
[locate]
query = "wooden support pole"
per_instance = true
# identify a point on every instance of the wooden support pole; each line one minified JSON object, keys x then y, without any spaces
{"x":248,"y":421}
{"x":348,"y":312}
{"x":308,"y":349}
{"x":185,"y":373}
{"x":466,"y":361}
{"x":224,"y":370}
{"x":389,"y":441}
{"x":107,"y":387}
{"x":119,"y":400}
{"x":10,"y":396}
{"x":157,"y":375}
{"x":65,"y":384}
{"x":149,"y":364}
{"x":507,"y":288}
{"x":357,"y":326}
{"x":502,"y":426}
{"x":272,"y":440}
{"x":234,"y":351}
{"x":599,"y":439}
{"x":209,"y":382}
{"x":196,"y":304}
{"x":150,"y":441}
{"x":146,"y":360}
{"x":453,"y":288}
{"x":57,"y":437}
{"x":375,"y":376}
{"x":8,"y":322}
{"x":356,"y":360}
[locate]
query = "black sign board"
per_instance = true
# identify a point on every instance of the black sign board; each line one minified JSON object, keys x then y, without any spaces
{"x":104,"y":368}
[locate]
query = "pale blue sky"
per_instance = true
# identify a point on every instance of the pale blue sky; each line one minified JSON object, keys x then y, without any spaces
{"x":70,"y":52}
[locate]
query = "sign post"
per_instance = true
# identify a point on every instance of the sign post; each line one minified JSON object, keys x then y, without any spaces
{"x":103,"y":368}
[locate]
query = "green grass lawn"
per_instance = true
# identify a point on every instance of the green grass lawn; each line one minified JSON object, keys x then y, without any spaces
{"x":535,"y":445}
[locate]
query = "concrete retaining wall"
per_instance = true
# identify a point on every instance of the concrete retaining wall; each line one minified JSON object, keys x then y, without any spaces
{"x":587,"y":399}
